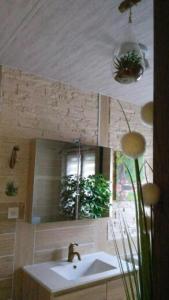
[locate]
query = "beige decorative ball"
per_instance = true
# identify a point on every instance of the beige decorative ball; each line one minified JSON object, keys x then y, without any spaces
{"x":151,"y":193}
{"x":147,"y":114}
{"x":133,"y":144}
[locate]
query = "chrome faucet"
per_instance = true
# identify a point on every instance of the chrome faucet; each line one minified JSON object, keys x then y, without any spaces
{"x":72,"y":253}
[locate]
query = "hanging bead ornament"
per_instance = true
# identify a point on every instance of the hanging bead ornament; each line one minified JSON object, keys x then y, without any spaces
{"x":128,"y":62}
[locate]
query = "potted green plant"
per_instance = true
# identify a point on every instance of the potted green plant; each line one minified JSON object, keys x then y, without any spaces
{"x":94,"y":196}
{"x":128,"y":67}
{"x":95,"y":202}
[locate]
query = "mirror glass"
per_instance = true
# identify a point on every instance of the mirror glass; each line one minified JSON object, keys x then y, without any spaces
{"x":71,"y":181}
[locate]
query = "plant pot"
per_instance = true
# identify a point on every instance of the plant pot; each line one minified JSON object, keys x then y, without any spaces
{"x":129,"y":75}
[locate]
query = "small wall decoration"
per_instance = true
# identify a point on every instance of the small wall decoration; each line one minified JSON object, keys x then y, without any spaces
{"x":11,"y":189}
{"x":13,"y":158}
{"x":122,"y":188}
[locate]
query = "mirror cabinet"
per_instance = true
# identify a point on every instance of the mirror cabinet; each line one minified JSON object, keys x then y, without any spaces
{"x":68,"y":181}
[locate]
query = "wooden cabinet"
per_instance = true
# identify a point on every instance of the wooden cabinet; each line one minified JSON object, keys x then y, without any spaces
{"x":93,"y":293}
{"x":115,"y":290}
{"x":110,"y":290}
{"x":32,"y":290}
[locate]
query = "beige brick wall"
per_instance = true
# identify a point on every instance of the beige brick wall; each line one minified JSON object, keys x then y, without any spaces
{"x":118,"y":125}
{"x":32,"y":107}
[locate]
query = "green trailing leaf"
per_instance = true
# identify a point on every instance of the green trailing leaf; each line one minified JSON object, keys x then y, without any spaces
{"x":141,"y":287}
{"x":130,"y":284}
{"x":136,"y":285}
{"x":124,"y":279}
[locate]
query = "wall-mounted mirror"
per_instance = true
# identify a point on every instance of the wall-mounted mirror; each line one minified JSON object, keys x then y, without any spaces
{"x":68,"y":181}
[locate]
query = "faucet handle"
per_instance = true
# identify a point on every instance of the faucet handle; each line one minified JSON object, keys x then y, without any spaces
{"x":75,"y":244}
{"x":71,"y":245}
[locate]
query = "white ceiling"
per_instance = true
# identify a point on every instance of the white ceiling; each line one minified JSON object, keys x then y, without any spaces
{"x":73,"y":40}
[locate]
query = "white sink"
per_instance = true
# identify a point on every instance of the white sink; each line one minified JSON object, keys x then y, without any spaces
{"x":88,"y":266}
{"x":135,"y":258}
{"x":62,"y":275}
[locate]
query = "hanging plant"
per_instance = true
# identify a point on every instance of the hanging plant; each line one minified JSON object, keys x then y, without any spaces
{"x":128,"y":67}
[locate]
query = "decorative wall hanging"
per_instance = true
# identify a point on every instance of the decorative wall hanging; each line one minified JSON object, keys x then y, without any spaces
{"x":11,"y":189}
{"x":13,"y":158}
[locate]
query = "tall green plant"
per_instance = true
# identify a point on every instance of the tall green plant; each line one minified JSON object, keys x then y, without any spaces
{"x":138,"y":284}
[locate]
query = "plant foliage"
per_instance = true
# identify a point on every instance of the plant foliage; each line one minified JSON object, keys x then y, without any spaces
{"x":139,"y":285}
{"x":94,"y":196}
{"x":131,"y":60}
{"x":11,"y":189}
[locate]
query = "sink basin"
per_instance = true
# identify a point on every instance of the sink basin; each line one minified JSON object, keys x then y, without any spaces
{"x":62,"y":275}
{"x":135,"y":258}
{"x":87,"y":267}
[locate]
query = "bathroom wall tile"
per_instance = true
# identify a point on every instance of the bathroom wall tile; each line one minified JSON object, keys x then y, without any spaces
{"x":5,"y":289}
{"x":64,"y":224}
{"x":7,"y":226}
{"x":61,"y":237}
{"x":60,"y":253}
{"x":7,"y":242}
{"x":6,"y":269}
{"x":24,"y":244}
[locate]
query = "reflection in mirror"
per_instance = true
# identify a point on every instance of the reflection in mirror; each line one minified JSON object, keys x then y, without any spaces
{"x":71,"y":181}
{"x":122,"y":186}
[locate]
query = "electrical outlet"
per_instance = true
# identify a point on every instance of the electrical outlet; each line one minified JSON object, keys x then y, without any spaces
{"x":13,"y":212}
